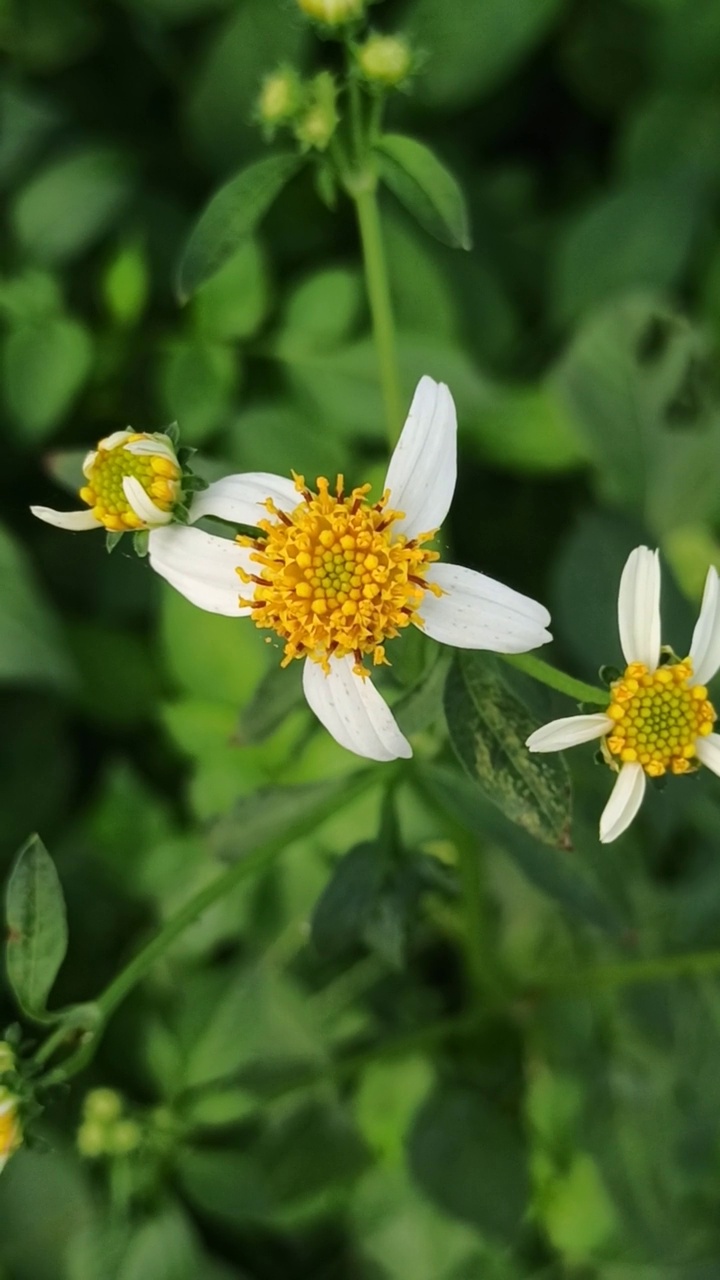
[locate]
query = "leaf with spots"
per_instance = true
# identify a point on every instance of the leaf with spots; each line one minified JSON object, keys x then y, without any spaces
{"x":488,"y":728}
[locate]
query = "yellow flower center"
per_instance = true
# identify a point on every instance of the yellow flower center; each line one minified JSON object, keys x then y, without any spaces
{"x":659,"y":717}
{"x":158,"y":475}
{"x":10,"y":1132}
{"x":334,"y":578}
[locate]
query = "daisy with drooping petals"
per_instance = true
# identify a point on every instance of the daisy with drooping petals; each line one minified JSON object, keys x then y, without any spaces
{"x":336,"y":576}
{"x":659,"y":719}
{"x":134,"y":483}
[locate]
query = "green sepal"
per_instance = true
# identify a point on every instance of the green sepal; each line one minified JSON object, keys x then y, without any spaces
{"x":185,"y":454}
{"x":609,"y":674}
{"x":326,"y":186}
{"x":141,"y":542}
{"x":193,"y":484}
{"x":173,"y":433}
{"x":111,"y":540}
{"x":181,"y":515}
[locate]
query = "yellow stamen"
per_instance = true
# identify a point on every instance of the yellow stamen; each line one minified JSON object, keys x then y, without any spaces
{"x":335,"y":579}
{"x":158,"y":475}
{"x":662,"y":718}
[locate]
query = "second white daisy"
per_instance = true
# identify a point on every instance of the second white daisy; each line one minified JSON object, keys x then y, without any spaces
{"x":659,"y":719}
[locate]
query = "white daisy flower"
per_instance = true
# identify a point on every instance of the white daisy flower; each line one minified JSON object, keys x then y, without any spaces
{"x":335,"y":576}
{"x":659,"y":719}
{"x":133,"y":482}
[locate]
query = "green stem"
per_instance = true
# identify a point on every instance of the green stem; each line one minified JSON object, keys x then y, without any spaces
{"x":475,"y":917}
{"x":542,"y":671}
{"x":137,"y":968}
{"x":364,"y":193}
{"x":694,"y":964}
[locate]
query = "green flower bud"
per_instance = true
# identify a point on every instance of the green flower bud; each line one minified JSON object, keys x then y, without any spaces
{"x":280,"y":97}
{"x":334,"y":13}
{"x":124,"y":1138}
{"x":91,"y":1140}
{"x":320,"y":119}
{"x":385,"y":60}
{"x":103,"y":1106}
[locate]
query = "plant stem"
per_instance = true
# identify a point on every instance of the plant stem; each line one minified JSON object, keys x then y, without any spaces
{"x":475,"y":916}
{"x":364,"y":194}
{"x":542,"y":671}
{"x":693,"y":964}
{"x":128,"y":978}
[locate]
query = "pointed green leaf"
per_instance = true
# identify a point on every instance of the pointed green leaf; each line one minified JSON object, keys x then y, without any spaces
{"x":489,"y":726}
{"x":278,"y":694}
{"x":232,"y":214}
{"x":36,"y":927}
{"x":426,"y":188}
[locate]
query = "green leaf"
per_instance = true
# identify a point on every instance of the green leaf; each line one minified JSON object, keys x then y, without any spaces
{"x":278,"y":693}
{"x":473,"y":53}
{"x":324,"y":309}
{"x":232,"y":305}
{"x":45,"y":366}
{"x":460,"y":1130}
{"x":233,"y":214}
{"x":348,"y":900}
{"x":274,"y":812}
{"x":66,"y":207}
{"x":197,"y":381}
{"x":426,"y":188}
{"x":164,"y":1248}
{"x":31,"y":647}
{"x":37,"y":927}
{"x":488,"y":729}
{"x":637,"y":237}
{"x":550,"y":870}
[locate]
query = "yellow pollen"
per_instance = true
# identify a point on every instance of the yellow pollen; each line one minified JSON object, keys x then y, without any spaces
{"x":662,"y":718}
{"x":335,"y":578}
{"x":104,"y":493}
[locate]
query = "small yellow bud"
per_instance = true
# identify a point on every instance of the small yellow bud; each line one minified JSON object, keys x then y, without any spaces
{"x":91,"y":1140}
{"x":280,"y":97}
{"x":124,"y":1138}
{"x":385,"y":60}
{"x":102,"y":1105}
{"x":316,"y":126}
{"x":334,"y":13}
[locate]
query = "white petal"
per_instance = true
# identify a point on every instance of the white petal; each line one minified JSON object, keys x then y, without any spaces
{"x":639,"y":608}
{"x":240,"y":499}
{"x":708,"y":751}
{"x":202,"y":568}
{"x":477,"y":612}
{"x":353,"y":711}
{"x":76,"y":521}
{"x":625,"y":800}
{"x":423,"y":469}
{"x":88,"y":463}
{"x":117,"y":437}
{"x":705,"y":647}
{"x":142,"y":505}
{"x":558,"y":735}
{"x":154,"y":446}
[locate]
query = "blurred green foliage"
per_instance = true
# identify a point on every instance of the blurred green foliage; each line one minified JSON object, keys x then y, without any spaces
{"x":313,"y":1101}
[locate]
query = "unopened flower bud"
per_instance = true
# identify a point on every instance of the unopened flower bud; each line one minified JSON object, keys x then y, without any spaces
{"x":124,"y":1138}
{"x":320,"y":119}
{"x":102,"y":1105}
{"x":334,"y":13}
{"x":280,"y":97}
{"x":91,"y":1140}
{"x":385,"y":60}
